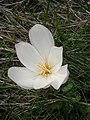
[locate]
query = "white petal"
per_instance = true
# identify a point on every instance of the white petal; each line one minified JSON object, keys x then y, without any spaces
{"x":60,"y":77}
{"x":55,"y":58}
{"x":22,"y":76}
{"x":42,"y":82}
{"x":56,"y":83}
{"x":42,"y":39}
{"x":47,"y":86}
{"x":28,"y":55}
{"x":66,"y":78}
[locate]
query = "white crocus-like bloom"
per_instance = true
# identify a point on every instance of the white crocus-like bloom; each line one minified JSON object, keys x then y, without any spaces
{"x":42,"y":61}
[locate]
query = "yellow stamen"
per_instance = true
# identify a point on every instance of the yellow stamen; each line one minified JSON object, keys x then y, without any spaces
{"x":45,"y":69}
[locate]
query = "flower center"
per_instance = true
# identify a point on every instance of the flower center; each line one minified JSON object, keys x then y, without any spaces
{"x":45,"y":69}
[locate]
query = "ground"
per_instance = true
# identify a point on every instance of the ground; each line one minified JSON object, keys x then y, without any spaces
{"x":69,"y":22}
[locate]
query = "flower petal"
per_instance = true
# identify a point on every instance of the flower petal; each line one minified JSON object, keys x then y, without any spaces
{"x":55,"y":58}
{"x":47,"y":86}
{"x":60,"y":77}
{"x":66,"y":78}
{"x":42,"y":39}
{"x":28,"y":55}
{"x":42,"y":82}
{"x":22,"y":76}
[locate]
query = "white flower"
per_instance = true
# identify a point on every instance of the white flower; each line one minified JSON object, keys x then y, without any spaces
{"x":42,"y":61}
